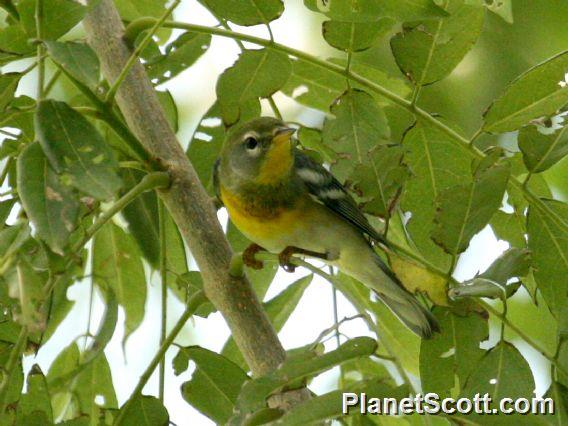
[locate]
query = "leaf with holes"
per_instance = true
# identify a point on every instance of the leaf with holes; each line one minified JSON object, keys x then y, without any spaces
{"x":502,"y":373}
{"x":214,"y":385}
{"x":179,"y":55}
{"x":541,"y":151}
{"x":52,"y":206}
{"x":436,"y":164}
{"x":448,"y":358}
{"x":117,"y":264}
{"x":76,"y":149}
{"x":463,"y":210}
{"x":428,"y":51}
{"x":379,"y":179}
{"x":357,"y":126}
{"x":539,"y":92}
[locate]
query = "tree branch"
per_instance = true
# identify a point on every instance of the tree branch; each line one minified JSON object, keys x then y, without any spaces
{"x":186,"y":199}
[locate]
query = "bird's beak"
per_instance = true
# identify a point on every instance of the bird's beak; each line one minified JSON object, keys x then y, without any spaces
{"x":283,"y":135}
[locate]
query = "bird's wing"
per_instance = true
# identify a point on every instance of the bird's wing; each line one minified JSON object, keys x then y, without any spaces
{"x":216,"y":180}
{"x":327,"y":190}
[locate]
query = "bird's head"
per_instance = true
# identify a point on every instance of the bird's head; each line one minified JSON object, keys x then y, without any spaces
{"x":259,"y":151}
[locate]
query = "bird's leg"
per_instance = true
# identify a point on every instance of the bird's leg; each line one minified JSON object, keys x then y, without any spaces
{"x":286,"y":254}
{"x":249,"y":259}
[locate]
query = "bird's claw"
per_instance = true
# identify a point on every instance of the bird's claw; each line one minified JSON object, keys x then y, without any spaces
{"x":284,"y":259}
{"x":249,"y":258}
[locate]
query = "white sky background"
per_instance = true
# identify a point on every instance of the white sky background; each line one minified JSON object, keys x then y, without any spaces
{"x":194,"y":92}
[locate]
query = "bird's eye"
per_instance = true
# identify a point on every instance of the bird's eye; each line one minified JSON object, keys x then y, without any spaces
{"x":251,"y":143}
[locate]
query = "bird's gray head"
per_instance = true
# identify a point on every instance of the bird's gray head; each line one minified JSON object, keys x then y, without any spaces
{"x":259,"y":150}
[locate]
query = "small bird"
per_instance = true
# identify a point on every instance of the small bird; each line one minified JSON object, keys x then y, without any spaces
{"x":286,"y":203}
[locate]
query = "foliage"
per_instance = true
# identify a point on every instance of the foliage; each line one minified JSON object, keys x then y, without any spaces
{"x":79,"y":201}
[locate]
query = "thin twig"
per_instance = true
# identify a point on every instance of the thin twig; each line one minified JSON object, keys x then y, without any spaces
{"x":194,"y":302}
{"x":137,"y":51}
{"x":164,"y":283}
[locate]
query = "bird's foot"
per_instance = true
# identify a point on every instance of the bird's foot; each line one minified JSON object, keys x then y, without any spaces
{"x":249,"y":256}
{"x":286,"y":254}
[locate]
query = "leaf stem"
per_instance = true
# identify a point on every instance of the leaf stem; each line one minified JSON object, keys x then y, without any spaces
{"x":274,"y":107}
{"x":143,"y":23}
{"x":135,"y":55}
{"x":478,"y":133}
{"x":163,"y":279}
{"x":193,"y":303}
{"x":51,"y":82}
{"x":40,"y":49}
{"x":520,"y":333}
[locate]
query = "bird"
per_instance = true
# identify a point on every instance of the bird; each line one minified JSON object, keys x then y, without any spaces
{"x":285,"y":202}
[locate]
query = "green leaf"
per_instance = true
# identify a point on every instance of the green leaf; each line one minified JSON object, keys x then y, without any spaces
{"x":59,"y":16}
{"x":536,"y":93}
{"x":514,"y":263}
{"x":179,"y":55}
{"x":214,"y":385}
{"x":75,"y":148}
{"x":13,"y":388}
{"x":118,"y":266}
{"x":464,"y":210}
{"x":358,"y":125}
{"x":559,"y":394}
{"x":78,"y":59}
{"x":36,"y":399}
{"x":133,"y":9}
{"x":51,"y":206}
{"x":246,"y":12}
{"x":5,"y":209}
{"x":12,"y":238}
{"x":355,"y":36}
{"x":541,"y":151}
{"x":380,"y":178}
{"x":255,"y":392}
{"x":428,"y":51}
{"x":142,"y":217}
{"x":278,"y":309}
{"x":328,"y":406}
{"x":257,"y":73}
{"x":436,"y":164}
{"x":502,"y":372}
{"x":510,"y":228}
{"x":548,"y":243}
{"x":27,"y":286}
{"x":207,"y":140}
{"x":411,"y":10}
{"x":448,"y":358}
{"x":8,"y":85}
{"x":146,"y":410}
{"x":13,"y":39}
{"x":94,"y":382}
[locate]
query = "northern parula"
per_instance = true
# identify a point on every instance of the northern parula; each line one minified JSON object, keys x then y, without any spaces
{"x":286,"y":203}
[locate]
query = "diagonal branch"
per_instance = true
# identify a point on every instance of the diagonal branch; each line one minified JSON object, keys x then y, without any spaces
{"x":186,"y":199}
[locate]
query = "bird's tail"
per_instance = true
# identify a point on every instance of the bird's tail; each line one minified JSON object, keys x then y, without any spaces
{"x":406,"y":307}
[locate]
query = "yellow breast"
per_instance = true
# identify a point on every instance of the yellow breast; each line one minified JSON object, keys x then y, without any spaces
{"x":261,"y":226}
